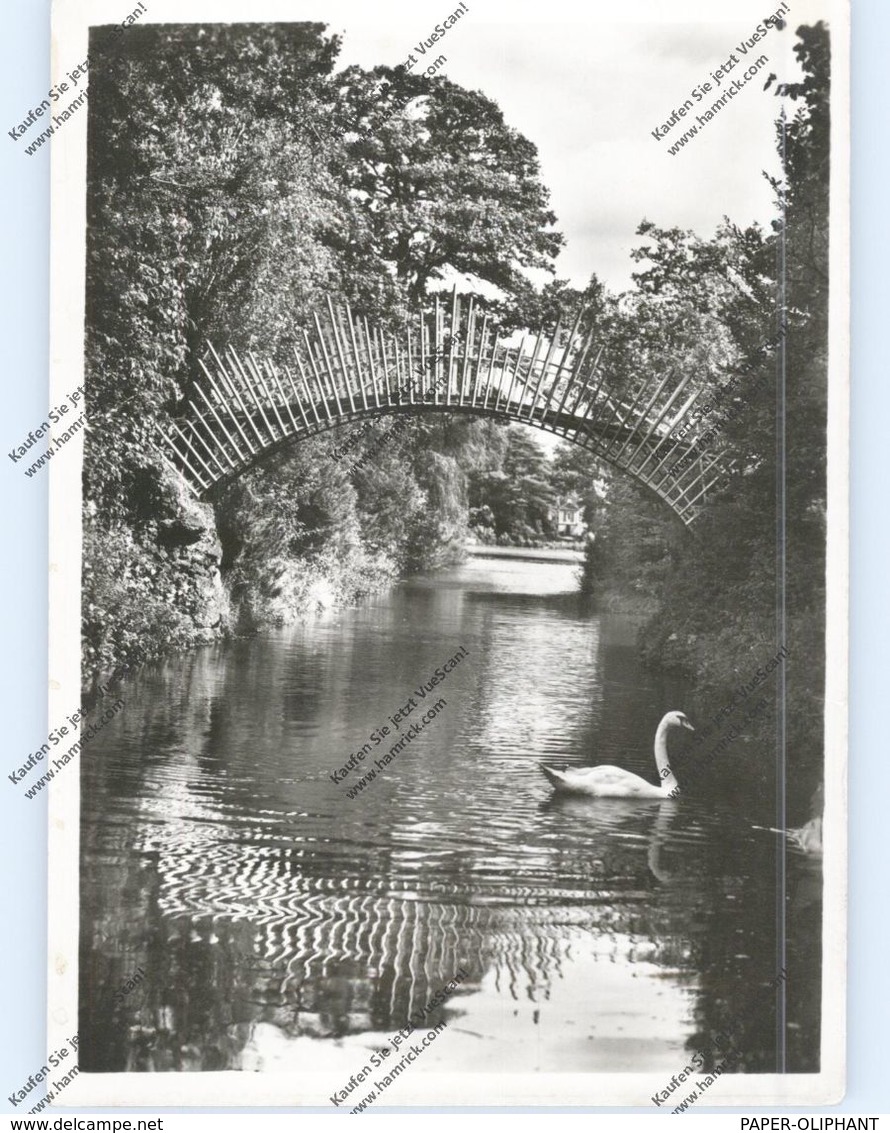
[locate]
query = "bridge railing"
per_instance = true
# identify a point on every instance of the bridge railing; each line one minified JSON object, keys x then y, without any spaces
{"x":342,"y":368}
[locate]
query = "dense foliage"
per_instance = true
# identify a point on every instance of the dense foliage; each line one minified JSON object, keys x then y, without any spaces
{"x":511,"y":496}
{"x":233,"y":182}
{"x":725,"y":597}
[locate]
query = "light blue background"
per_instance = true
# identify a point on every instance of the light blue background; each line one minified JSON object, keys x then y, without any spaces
{"x":24,"y":311}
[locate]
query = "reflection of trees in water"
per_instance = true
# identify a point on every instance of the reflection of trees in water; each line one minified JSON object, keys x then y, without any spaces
{"x":382,"y":947}
{"x":248,"y":932}
{"x":736,"y":971}
{"x":247,"y":903}
{"x":239,"y":936}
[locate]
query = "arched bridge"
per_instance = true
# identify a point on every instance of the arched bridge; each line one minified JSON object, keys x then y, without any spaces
{"x":446,"y":360}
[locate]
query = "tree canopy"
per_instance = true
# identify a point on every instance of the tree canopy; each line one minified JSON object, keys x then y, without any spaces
{"x":444,"y":183}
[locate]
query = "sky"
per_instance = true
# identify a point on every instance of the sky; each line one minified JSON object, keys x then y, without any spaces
{"x":587,"y":81}
{"x":589,"y":91}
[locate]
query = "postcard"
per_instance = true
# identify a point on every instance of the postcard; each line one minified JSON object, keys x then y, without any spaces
{"x":447,"y":451}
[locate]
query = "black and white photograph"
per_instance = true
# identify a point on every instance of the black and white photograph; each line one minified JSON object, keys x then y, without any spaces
{"x":447,"y":457}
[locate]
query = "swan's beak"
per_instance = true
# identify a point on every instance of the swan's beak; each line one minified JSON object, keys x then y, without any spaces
{"x":687,"y":725}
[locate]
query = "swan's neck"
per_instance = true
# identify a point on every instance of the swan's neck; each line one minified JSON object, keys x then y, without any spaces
{"x":666,"y":777}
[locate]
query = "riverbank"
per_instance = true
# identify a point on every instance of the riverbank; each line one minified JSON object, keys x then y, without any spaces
{"x":296,"y":538}
{"x":529,"y":554}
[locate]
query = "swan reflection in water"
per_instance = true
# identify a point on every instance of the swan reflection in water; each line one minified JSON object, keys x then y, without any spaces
{"x":654,"y":822}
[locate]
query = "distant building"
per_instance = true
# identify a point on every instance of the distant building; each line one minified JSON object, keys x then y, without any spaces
{"x":568,"y":516}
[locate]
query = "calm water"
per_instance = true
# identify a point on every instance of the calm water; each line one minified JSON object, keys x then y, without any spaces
{"x":279,"y":924}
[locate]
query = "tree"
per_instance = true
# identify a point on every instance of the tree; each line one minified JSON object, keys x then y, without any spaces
{"x":517,"y":489}
{"x":718,"y":616}
{"x":576,"y":472}
{"x":205,"y":211}
{"x":443,"y":182}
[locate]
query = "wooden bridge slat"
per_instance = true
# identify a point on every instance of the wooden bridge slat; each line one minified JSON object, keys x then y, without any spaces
{"x":273,"y":374}
{"x":572,"y":379}
{"x":401,"y":382}
{"x":414,"y":377}
{"x":422,"y":364}
{"x":236,"y":392}
{"x":640,"y":470}
{"x":533,"y":401}
{"x":310,"y":400}
{"x":356,"y":356}
{"x":678,"y":444}
{"x":240,"y":383}
{"x":676,"y":478}
{"x":297,"y":398}
{"x":527,"y":383}
{"x":585,"y":421}
{"x":249,"y":386}
{"x":372,"y":363}
{"x":212,"y":449}
{"x":604,"y":404}
{"x":194,"y":451}
{"x":340,"y":354}
{"x":607,"y":413}
{"x":491,"y":362}
{"x":225,"y":404}
{"x":665,"y":409}
{"x":547,"y":360}
{"x":688,"y":506}
{"x":649,"y":477}
{"x":229,"y":436}
{"x":428,"y":378}
{"x":582,"y":426}
{"x":270,"y":382}
{"x":483,"y":334}
{"x":548,"y":404}
{"x":591,"y":373}
{"x":644,"y":414}
{"x":683,"y":414}
{"x":455,"y":316}
{"x":258,"y":373}
{"x":681,"y":492}
{"x":325,"y":355}
{"x":183,"y":458}
{"x":366,"y":360}
{"x":327,"y":363}
{"x":436,"y":353}
{"x":323,"y":394}
{"x":467,"y":346}
{"x":381,"y":339}
{"x":621,"y":422}
{"x":519,"y":350}
{"x":435,"y":359}
{"x":230,"y":388}
{"x":565,"y":354}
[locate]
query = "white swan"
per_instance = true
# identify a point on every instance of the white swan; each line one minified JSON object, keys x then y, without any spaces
{"x":615,"y":782}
